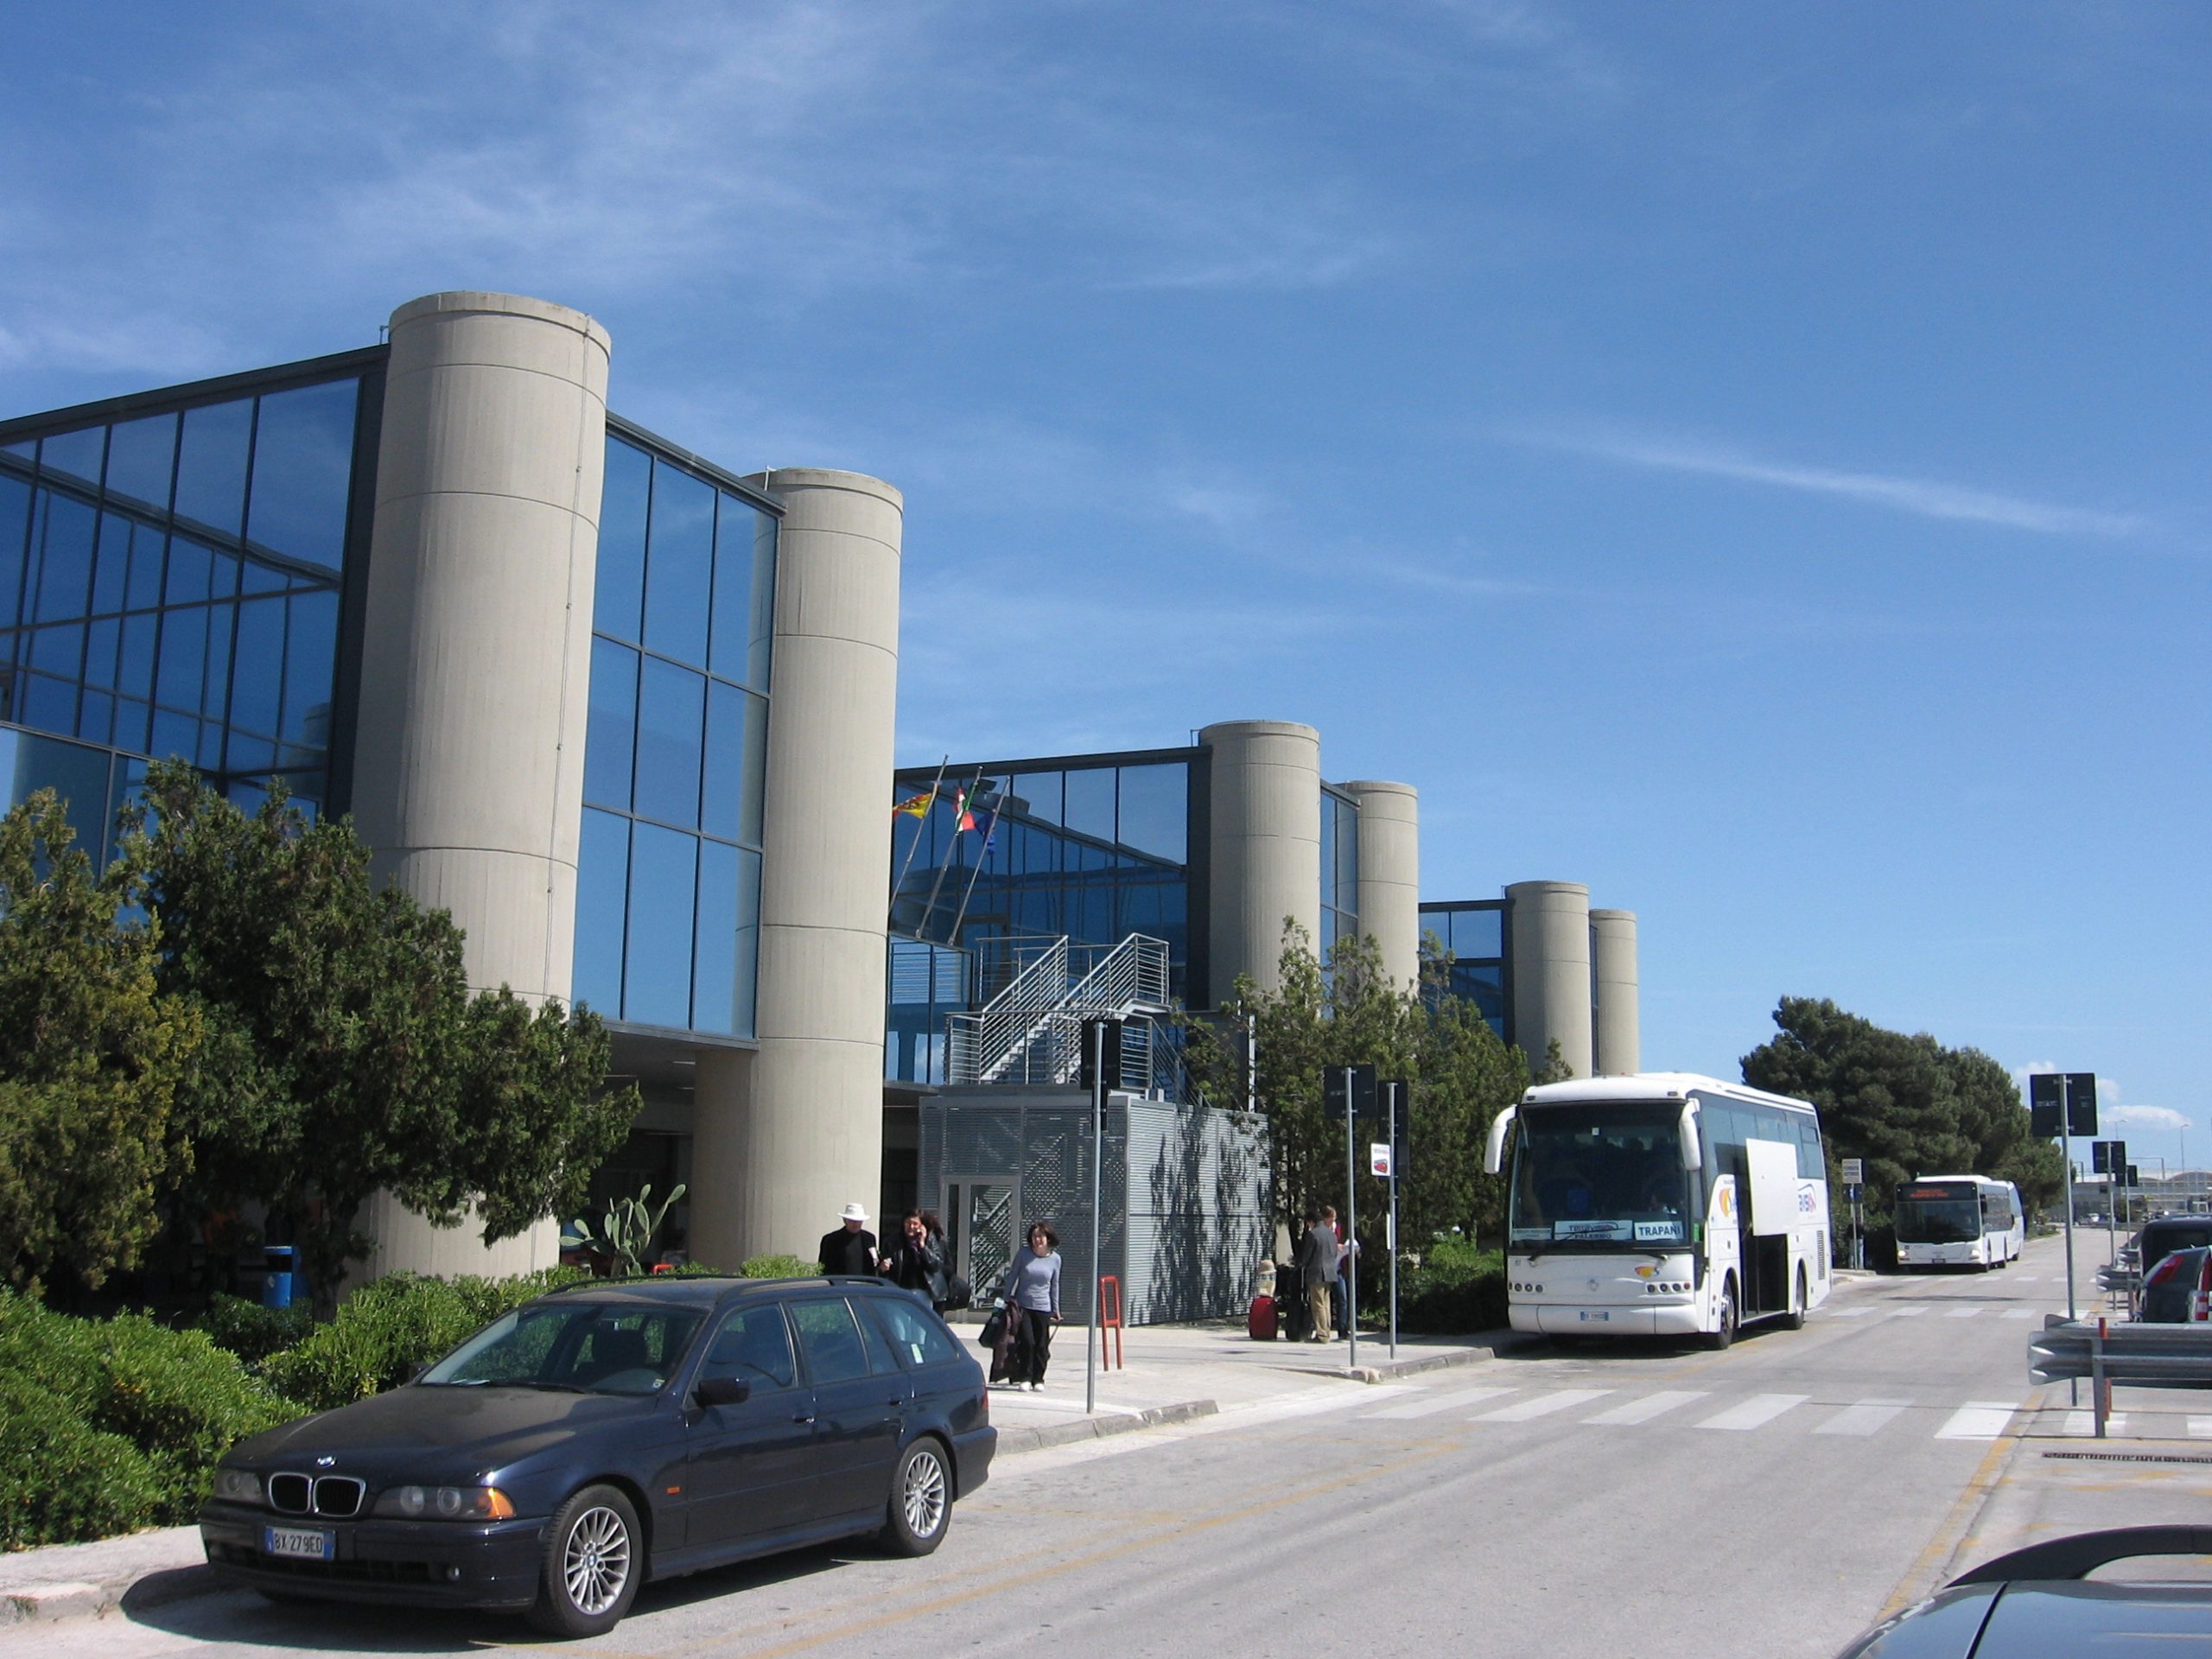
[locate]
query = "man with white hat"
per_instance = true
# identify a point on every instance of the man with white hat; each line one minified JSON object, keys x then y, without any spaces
{"x":851,"y":1248}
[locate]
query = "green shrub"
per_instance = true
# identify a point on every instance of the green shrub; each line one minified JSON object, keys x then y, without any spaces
{"x":252,"y":1332}
{"x":386,"y":1330}
{"x":109,"y":1425}
{"x":1456,"y":1291}
{"x":779,"y":1267}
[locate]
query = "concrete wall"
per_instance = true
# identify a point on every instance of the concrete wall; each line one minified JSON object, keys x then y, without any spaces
{"x":784,"y":1138}
{"x":1618,"y":1034}
{"x":468,"y":769}
{"x":1389,"y":874}
{"x":1550,"y":961}
{"x":1265,"y":847}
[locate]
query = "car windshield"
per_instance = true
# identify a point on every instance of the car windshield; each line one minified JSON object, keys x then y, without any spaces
{"x":572,"y":1347}
{"x":1600,"y":1177}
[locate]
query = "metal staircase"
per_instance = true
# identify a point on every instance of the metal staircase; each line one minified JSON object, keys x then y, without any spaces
{"x":1032,"y":1032}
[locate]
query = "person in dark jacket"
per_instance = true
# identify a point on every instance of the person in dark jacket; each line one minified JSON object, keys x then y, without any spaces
{"x":851,"y":1248}
{"x":1317,"y":1270}
{"x":916,"y":1260}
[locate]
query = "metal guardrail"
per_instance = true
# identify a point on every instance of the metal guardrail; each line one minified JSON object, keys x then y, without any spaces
{"x":2105,"y":1353}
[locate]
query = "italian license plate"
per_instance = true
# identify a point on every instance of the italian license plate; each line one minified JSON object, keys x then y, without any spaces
{"x":1597,"y":1319}
{"x":297,"y":1543}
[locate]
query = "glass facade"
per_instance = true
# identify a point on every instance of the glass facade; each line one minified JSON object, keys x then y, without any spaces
{"x":1095,"y":849}
{"x":1339,"y":869}
{"x":668,"y":882}
{"x":170,"y":582}
{"x":1473,"y":931}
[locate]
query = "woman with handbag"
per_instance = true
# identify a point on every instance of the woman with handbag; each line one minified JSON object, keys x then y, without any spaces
{"x":1031,"y":1291}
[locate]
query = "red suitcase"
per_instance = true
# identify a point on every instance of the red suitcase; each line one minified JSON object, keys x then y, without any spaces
{"x":1260,"y":1321}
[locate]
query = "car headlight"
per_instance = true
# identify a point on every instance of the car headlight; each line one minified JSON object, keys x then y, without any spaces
{"x":446,"y":1504}
{"x":237,"y":1486}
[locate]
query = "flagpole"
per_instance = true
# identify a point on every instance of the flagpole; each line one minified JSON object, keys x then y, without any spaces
{"x":915,"y":845}
{"x":952,"y":843}
{"x":977,"y":875}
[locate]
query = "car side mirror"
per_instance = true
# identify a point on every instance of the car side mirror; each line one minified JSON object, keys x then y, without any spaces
{"x":722,"y":1391}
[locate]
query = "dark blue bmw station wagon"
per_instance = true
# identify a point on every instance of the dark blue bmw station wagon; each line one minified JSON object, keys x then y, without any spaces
{"x":613,"y":1432}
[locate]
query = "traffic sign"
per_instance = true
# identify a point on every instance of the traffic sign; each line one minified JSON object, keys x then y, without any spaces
{"x":1378,"y":1158}
{"x":1336,"y":1103}
{"x":2046,"y":1105}
{"x":2081,"y":1102}
{"x":1854,"y":1170}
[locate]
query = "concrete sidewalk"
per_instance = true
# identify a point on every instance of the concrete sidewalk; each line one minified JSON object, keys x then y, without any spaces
{"x":1171,"y":1373}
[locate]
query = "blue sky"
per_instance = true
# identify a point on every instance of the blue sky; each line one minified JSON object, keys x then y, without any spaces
{"x":1750,"y":459}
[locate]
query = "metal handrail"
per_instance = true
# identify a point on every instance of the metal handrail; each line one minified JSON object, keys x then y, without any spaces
{"x":980,"y":1043}
{"x":1031,"y":1031}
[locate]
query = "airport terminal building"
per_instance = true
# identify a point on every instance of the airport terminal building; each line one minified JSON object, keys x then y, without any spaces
{"x":629,"y":717}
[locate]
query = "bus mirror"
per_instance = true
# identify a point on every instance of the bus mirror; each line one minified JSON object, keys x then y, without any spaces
{"x":1494,"y":1151}
{"x":1692,"y":1153}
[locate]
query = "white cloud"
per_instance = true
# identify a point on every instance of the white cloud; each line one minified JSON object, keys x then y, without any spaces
{"x":1923,"y":497}
{"x":2151,"y":1117}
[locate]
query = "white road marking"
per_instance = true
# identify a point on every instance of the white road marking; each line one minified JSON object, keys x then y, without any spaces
{"x":2019,"y":1314}
{"x":1985,"y":1419}
{"x":1652,"y":1405}
{"x":1963,"y":1313}
{"x":1852,"y":1312}
{"x":1756,"y":1412}
{"x":1439,"y":1402}
{"x":1910,"y":1313}
{"x":2024,"y":1278}
{"x":2200,"y":1428}
{"x":1863,"y":1418}
{"x":1542,"y":1405}
{"x":2085,"y":1423}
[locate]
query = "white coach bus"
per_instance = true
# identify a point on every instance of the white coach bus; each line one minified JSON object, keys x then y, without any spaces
{"x":1959,"y":1220}
{"x":1663,"y":1204}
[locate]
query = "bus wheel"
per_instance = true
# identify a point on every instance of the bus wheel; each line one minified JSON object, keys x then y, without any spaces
{"x":1726,"y":1333}
{"x":1795,"y":1320}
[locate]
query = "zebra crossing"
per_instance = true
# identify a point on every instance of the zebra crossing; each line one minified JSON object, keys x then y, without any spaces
{"x":1920,"y":1310}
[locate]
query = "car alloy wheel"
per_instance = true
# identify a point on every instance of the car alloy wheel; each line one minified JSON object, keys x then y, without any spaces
{"x":589,"y":1576}
{"x":921,"y":1500}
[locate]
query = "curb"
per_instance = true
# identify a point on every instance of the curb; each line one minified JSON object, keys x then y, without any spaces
{"x":1502,"y":1342}
{"x":1013,"y":1442}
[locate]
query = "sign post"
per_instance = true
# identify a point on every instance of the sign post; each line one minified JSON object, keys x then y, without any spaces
{"x":1100,"y":1039}
{"x":1348,"y":1089}
{"x":1854,"y":1176}
{"x":1392,"y":1155}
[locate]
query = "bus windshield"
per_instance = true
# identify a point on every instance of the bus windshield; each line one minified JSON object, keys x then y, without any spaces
{"x":1599,"y":1176}
{"x":1938,"y":1221}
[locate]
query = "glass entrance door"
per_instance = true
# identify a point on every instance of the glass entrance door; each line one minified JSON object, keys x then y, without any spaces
{"x":981,"y":1215}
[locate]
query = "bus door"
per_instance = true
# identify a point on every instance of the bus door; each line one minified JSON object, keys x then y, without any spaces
{"x":1769,"y":1224}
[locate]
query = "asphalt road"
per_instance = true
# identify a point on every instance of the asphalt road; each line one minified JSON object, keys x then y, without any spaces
{"x":1638,"y":1501}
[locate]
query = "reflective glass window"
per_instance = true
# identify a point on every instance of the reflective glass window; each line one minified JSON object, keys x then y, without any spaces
{"x":619,"y":595}
{"x":1480,"y":933}
{"x":223,"y":576}
{"x":259,"y":577}
{"x":15,"y":522}
{"x":713,"y":974}
{"x":737,"y":737}
{"x":100,"y":641}
{"x":134,"y":672}
{"x":211,"y":465}
{"x":679,"y":561}
{"x":258,"y":690}
{"x":671,"y":713}
{"x":303,"y":472}
{"x":95,"y":716}
{"x":48,"y":703}
{"x":1090,"y":801}
{"x":1155,"y":810}
{"x":602,"y":900}
{"x":191,"y":567}
{"x":184,"y":658}
{"x":111,"y":565}
{"x":58,"y":650}
{"x":174,"y":734}
{"x":310,"y":659}
{"x":141,"y":457}
{"x":219,"y":620}
{"x":74,"y":454}
{"x":607,"y":744}
{"x":1039,"y":793}
{"x":130,"y":714}
{"x":143,"y":590}
{"x":657,"y":966}
{"x":65,"y":570}
{"x":78,"y":775}
{"x":741,"y":600}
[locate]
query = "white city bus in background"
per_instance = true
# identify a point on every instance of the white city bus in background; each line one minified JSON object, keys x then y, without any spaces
{"x":1663,"y":1204}
{"x":1959,"y":1221}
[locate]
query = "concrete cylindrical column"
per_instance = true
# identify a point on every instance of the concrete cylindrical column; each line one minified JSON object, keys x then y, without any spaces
{"x":1265,"y":846}
{"x":784,"y":1138}
{"x":1550,"y":966}
{"x":1389,"y":874}
{"x":1617,"y":1034}
{"x":469,"y":776}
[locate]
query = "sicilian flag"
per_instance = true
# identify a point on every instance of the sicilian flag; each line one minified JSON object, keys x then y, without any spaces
{"x":915,"y":806}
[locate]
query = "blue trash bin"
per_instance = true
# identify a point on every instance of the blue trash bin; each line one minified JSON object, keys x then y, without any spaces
{"x":277,"y":1282}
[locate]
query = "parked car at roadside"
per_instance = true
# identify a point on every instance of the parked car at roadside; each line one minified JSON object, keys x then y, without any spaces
{"x":2041,"y":1601}
{"x":612,"y":1432}
{"x":2178,"y":1290}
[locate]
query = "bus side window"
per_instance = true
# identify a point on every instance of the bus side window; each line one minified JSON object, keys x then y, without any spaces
{"x":1810,"y":1166}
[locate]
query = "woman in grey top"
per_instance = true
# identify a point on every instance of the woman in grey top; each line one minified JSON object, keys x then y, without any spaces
{"x":1032,"y":1291}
